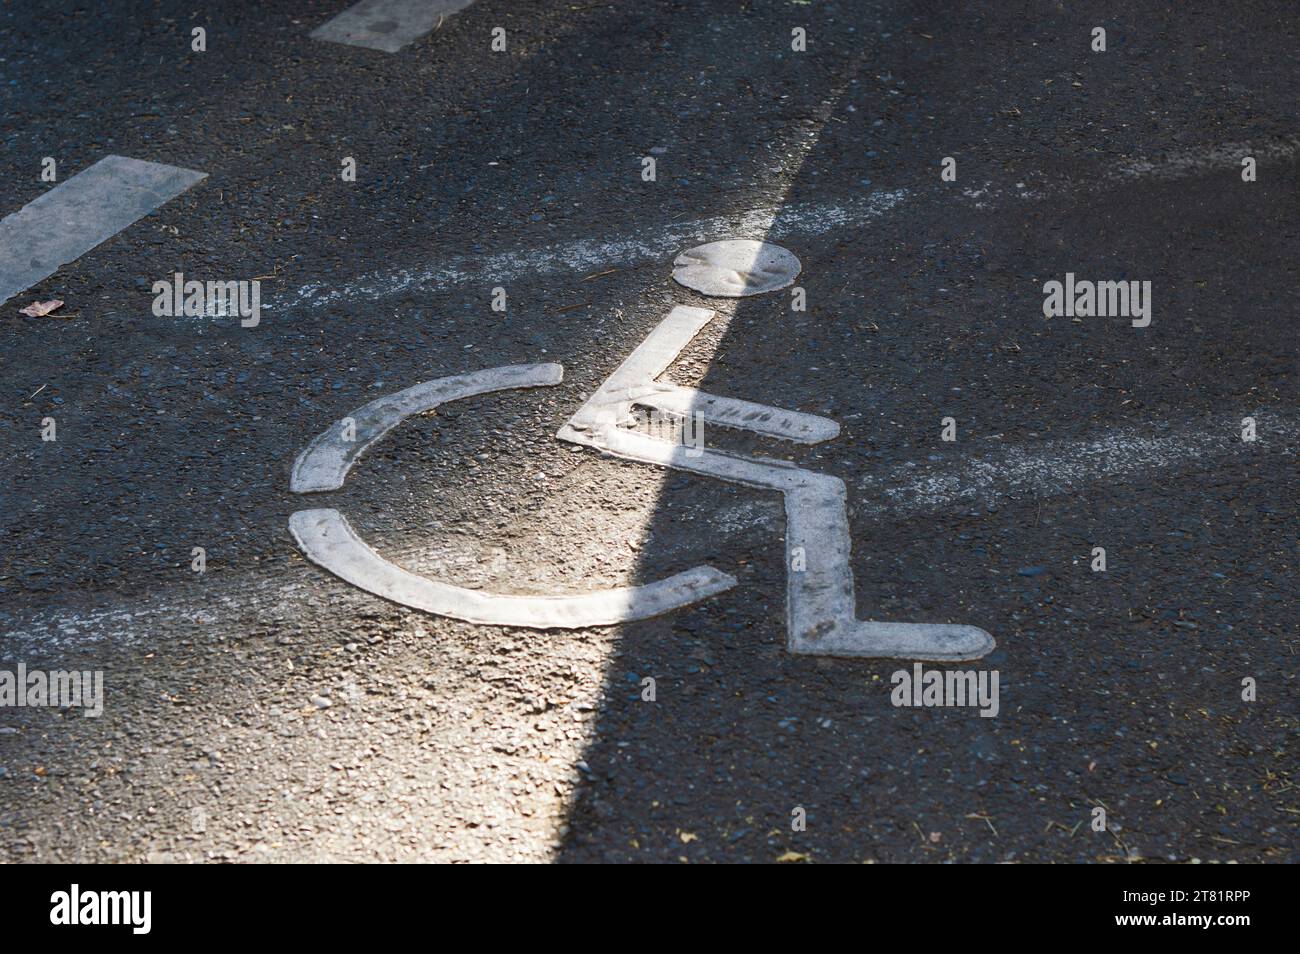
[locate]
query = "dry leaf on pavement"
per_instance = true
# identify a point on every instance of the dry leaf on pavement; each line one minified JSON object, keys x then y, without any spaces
{"x":39,"y":309}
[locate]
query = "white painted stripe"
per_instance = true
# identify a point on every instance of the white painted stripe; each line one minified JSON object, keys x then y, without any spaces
{"x":586,"y":255}
{"x":387,"y":25}
{"x":1060,"y":467}
{"x":771,"y":222}
{"x":75,"y":216}
{"x":1178,"y":163}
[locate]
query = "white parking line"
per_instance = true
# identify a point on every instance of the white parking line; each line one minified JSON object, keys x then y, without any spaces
{"x":75,"y":216}
{"x":769,"y":223}
{"x":585,"y":255}
{"x":387,"y":25}
{"x":1192,"y":160}
{"x":1060,"y":467}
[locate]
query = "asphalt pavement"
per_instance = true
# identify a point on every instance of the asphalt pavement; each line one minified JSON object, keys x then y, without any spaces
{"x":265,"y":710}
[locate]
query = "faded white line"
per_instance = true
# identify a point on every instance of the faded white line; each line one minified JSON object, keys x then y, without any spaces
{"x":1178,"y":163}
{"x":387,"y":25}
{"x":771,"y":223}
{"x":1059,"y":467}
{"x":584,"y":255}
{"x":75,"y":216}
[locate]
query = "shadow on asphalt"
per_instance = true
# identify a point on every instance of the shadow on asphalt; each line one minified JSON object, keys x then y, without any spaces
{"x":742,"y":738}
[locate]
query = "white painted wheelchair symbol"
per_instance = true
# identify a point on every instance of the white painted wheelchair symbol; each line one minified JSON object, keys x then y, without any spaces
{"x":821,"y":617}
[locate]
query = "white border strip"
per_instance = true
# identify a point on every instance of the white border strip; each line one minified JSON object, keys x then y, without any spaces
{"x":387,"y":25}
{"x":75,"y":216}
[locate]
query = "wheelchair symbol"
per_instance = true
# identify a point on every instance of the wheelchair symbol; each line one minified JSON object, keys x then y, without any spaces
{"x":820,"y":609}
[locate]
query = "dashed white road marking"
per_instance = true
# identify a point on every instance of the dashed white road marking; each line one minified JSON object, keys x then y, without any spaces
{"x":770,"y":222}
{"x":387,"y":25}
{"x":75,"y":216}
